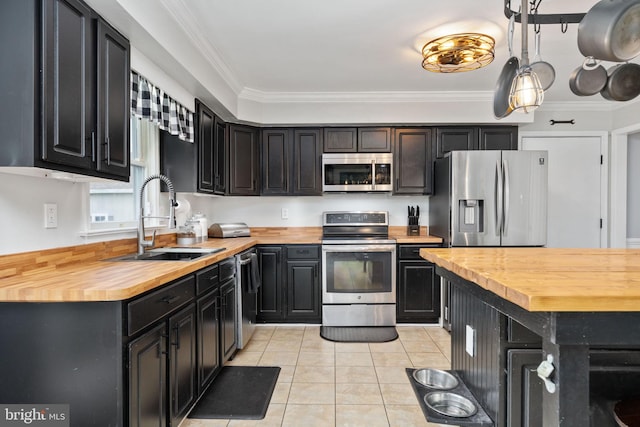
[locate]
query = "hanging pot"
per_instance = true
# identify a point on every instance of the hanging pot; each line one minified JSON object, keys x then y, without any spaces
{"x":623,"y":82}
{"x":545,"y":71}
{"x":588,"y":79}
{"x":501,"y":106}
{"x":610,"y":30}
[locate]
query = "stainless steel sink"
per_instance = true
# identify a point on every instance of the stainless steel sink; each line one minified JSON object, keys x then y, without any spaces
{"x":169,"y":254}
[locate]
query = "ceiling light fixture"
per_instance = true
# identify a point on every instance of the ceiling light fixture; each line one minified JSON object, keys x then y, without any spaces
{"x":458,"y":52}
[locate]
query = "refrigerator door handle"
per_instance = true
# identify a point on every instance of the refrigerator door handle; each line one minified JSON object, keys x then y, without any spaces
{"x":505,"y":170}
{"x":498,"y":198}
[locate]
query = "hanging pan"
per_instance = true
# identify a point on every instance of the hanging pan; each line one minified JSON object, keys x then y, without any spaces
{"x":545,"y":71}
{"x":588,"y":79}
{"x":501,"y":107}
{"x":610,"y":30}
{"x":623,"y":83}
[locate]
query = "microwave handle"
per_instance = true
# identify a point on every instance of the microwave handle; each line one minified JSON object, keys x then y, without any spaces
{"x":373,"y":174}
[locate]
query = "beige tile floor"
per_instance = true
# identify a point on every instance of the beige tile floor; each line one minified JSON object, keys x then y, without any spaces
{"x":323,"y":383}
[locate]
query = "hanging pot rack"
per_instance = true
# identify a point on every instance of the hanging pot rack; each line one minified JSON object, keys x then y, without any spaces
{"x":535,"y":18}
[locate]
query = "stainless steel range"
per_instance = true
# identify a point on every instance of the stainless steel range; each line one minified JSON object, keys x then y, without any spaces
{"x":359,"y":270}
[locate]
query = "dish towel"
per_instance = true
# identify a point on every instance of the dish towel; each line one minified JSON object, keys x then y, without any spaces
{"x":255,"y":281}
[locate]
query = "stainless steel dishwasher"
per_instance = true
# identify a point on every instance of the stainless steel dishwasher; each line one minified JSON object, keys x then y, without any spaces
{"x":248,"y":283}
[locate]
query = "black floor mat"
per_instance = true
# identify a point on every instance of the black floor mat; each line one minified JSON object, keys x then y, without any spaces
{"x":359,"y":333}
{"x":238,"y":392}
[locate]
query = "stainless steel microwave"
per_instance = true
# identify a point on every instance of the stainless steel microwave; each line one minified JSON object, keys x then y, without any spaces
{"x":343,"y":172}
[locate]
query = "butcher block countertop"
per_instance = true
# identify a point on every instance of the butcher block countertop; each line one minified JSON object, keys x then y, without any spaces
{"x":86,"y":273}
{"x":547,"y":279}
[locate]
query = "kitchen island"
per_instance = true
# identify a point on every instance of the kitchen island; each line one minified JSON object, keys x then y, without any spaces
{"x":578,"y":309}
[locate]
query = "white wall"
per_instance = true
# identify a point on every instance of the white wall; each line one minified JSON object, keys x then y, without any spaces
{"x":633,"y":186}
{"x":303,"y":211}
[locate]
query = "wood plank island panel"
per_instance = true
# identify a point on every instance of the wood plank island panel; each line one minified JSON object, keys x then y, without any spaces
{"x":549,"y":279}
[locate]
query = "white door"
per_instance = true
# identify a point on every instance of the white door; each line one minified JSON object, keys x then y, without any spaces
{"x":575,"y":190}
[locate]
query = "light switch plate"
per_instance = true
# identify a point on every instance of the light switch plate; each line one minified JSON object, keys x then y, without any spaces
{"x":470,"y":341}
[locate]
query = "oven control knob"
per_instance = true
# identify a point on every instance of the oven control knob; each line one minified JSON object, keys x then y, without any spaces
{"x":359,"y":296}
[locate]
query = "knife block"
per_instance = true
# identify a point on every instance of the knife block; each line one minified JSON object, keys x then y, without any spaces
{"x":413,"y":229}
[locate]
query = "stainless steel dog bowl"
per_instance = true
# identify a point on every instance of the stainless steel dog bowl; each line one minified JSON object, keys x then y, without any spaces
{"x":450,"y":404}
{"x":435,"y":378}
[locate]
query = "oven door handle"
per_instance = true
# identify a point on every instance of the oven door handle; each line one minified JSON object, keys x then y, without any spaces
{"x":359,"y":248}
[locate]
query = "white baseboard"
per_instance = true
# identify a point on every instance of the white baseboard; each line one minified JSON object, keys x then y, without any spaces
{"x":633,"y":242}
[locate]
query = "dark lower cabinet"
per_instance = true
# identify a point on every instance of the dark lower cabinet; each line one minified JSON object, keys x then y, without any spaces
{"x":418,"y":290}
{"x":182,"y":363}
{"x":524,"y":388}
{"x":291,"y":284}
{"x":208,"y":308}
{"x":270,"y":296}
{"x":228,"y":319}
{"x":148,"y":379}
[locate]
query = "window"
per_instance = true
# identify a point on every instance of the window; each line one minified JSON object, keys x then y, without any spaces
{"x":116,"y":205}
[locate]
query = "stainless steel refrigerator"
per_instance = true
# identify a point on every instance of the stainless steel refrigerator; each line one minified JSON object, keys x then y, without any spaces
{"x":490,"y":198}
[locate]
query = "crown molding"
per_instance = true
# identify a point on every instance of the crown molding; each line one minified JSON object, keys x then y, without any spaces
{"x":182,"y":15}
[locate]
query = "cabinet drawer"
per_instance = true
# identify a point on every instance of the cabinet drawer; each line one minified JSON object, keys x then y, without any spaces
{"x":303,"y":252}
{"x":154,"y":306}
{"x":227,"y":269}
{"x":206,"y":279}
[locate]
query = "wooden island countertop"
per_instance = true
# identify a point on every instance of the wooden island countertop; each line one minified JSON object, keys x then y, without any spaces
{"x":548,"y":279}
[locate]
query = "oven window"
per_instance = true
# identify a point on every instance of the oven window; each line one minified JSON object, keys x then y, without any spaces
{"x":360,"y":272}
{"x":347,"y":174}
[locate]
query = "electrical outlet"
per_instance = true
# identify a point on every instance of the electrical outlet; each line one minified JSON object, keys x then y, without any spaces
{"x":285,"y":213}
{"x":50,"y":215}
{"x":470,"y":341}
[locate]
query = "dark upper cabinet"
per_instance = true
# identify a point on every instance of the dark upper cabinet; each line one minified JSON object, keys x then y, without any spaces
{"x":205,"y":135}
{"x":66,"y":93}
{"x":498,"y":138}
{"x":291,"y":162}
{"x":244,"y":161}
{"x":340,"y":140}
{"x":413,"y":164}
{"x":113,"y":106}
{"x":220,"y":157}
{"x":455,"y":138}
{"x":374,"y":140}
{"x":68,"y":73}
{"x":475,"y":138}
{"x":275,"y":148}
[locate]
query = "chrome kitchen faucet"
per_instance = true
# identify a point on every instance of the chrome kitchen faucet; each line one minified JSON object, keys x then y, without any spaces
{"x":142,"y":243}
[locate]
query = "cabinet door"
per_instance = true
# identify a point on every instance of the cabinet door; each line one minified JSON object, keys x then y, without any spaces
{"x":499,"y":138}
{"x":208,"y":339}
{"x":340,"y":140}
{"x":113,"y":102}
{"x":303,"y":291}
{"x":148,"y":379}
{"x":220,"y":157}
{"x":276,"y":159}
{"x":413,"y":164}
{"x":68,"y":86}
{"x":270,"y":293}
{"x":418,"y":292}
{"x":374,"y":140}
{"x":182,"y":360}
{"x":205,"y":133}
{"x":524,"y":388}
{"x":307,"y":162}
{"x":455,"y":138}
{"x":228,"y":319}
{"x":244,"y":161}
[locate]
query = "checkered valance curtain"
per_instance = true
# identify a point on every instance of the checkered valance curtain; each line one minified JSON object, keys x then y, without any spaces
{"x":151,"y":102}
